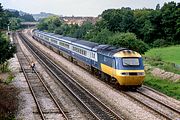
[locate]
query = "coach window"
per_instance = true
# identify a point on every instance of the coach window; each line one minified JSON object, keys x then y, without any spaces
{"x":85,"y":53}
{"x":105,"y":59}
{"x":46,"y":38}
{"x":66,"y":45}
{"x":54,"y":41}
{"x":93,"y":55}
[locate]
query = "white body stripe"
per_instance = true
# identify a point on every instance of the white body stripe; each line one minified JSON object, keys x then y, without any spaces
{"x":89,"y":54}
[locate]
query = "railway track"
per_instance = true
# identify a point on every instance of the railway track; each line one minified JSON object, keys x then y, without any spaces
{"x":162,"y":108}
{"x":38,"y":87}
{"x":157,"y":92}
{"x":95,"y":107}
{"x":172,"y":107}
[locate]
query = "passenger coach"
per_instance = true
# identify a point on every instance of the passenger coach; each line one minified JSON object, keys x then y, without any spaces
{"x":117,"y":65}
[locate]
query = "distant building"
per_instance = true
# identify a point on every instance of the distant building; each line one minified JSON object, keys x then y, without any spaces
{"x":42,"y":15}
{"x":78,"y":20}
{"x":29,"y":24}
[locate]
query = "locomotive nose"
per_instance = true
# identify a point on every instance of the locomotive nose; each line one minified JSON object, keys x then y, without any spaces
{"x":131,"y":80}
{"x":132,"y":73}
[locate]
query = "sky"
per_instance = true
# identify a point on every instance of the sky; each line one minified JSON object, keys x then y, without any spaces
{"x":77,"y":7}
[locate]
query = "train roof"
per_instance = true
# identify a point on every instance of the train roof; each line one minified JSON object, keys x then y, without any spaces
{"x":108,"y":50}
{"x":58,"y":37}
{"x":52,"y":35}
{"x":69,"y":39}
{"x":85,"y":44}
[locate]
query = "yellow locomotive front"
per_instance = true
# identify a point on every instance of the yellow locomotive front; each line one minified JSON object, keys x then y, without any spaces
{"x":129,"y":68}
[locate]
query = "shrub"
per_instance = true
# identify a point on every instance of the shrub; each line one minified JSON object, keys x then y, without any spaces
{"x":159,"y":43}
{"x":9,"y":79}
{"x":102,"y":36}
{"x":128,"y":40}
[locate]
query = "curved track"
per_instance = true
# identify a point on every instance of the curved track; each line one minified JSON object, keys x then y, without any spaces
{"x":98,"y":109}
{"x":162,"y":108}
{"x":37,"y":86}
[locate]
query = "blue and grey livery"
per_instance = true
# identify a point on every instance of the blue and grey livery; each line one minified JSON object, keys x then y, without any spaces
{"x":121,"y":64}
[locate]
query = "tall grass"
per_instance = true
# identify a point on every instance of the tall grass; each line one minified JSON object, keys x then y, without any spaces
{"x":167,"y":54}
{"x":4,"y":67}
{"x":9,"y":78}
{"x":167,"y":87}
{"x":167,"y":58}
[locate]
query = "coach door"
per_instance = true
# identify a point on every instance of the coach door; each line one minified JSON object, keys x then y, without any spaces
{"x":114,"y":68}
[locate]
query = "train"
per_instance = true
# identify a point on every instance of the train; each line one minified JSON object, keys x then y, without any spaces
{"x":115,"y":65}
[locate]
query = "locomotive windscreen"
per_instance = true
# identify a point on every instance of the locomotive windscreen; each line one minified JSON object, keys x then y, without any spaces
{"x":130,"y":61}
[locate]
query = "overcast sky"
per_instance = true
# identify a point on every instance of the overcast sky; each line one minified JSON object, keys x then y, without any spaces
{"x":77,"y":7}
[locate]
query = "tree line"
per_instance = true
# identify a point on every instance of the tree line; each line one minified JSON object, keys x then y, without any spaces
{"x":138,"y":29}
{"x":12,"y":18}
{"x":6,"y":48}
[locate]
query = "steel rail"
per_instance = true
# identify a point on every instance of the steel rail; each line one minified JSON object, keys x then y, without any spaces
{"x":147,"y":105}
{"x":27,"y":79}
{"x":67,"y":76}
{"x":54,"y":100}
{"x":160,"y":102}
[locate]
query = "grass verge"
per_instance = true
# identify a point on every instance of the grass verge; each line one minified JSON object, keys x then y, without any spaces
{"x":8,"y":94}
{"x":166,"y":58}
{"x":167,"y":87}
{"x":8,"y":101}
{"x":169,"y":67}
{"x":167,"y":54}
{"x":9,"y":78}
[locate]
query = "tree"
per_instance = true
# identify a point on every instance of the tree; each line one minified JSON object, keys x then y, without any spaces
{"x":27,"y":17}
{"x":12,"y":13}
{"x":158,"y":7}
{"x":43,"y":25}
{"x":66,"y":29}
{"x":97,"y":28}
{"x":1,"y":9}
{"x":15,"y":23}
{"x":121,"y":20}
{"x":83,"y":30}
{"x":50,"y":23}
{"x":6,"y":50}
{"x":102,"y":36}
{"x":128,"y":40}
{"x":101,"y":24}
{"x":1,"y":17}
{"x":148,"y":25}
{"x":170,"y":21}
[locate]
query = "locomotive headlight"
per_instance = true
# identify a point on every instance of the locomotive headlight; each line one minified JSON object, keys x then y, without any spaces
{"x":125,"y":74}
{"x":140,"y":73}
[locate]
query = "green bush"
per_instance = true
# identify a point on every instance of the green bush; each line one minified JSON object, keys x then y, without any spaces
{"x":128,"y":40}
{"x":4,"y":67}
{"x":156,"y":61}
{"x":156,"y":57}
{"x":9,"y":79}
{"x":159,"y":43}
{"x":102,"y":36}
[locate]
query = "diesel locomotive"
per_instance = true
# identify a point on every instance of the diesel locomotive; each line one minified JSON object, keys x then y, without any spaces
{"x":117,"y":65}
